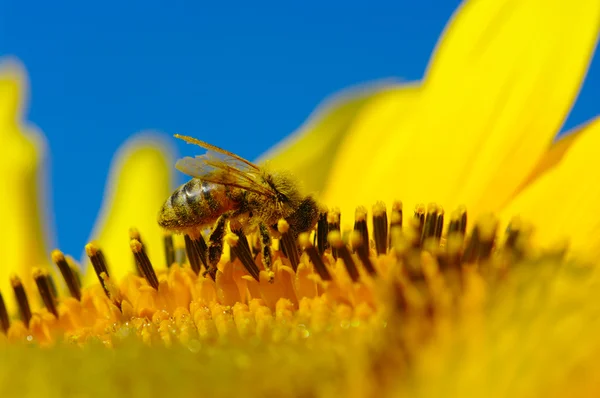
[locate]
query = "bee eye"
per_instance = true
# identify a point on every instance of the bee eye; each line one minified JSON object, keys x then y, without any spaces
{"x":250,"y":214}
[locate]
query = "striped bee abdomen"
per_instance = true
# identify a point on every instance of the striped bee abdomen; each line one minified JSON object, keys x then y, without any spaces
{"x":196,"y":203}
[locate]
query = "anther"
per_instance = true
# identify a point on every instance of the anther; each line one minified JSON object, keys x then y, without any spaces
{"x":196,"y":250}
{"x":512,"y":233}
{"x":395,"y":223}
{"x":75,"y":271}
{"x":360,"y":225}
{"x":99,"y":263}
{"x":396,"y":218}
{"x":43,"y":285}
{"x":454,"y":244}
{"x":363,"y":252}
{"x":243,"y":242}
{"x":472,"y":249}
{"x":335,"y":240}
{"x":333,"y":224}
{"x":488,"y":226}
{"x":458,"y":221}
{"x":419,"y":217}
{"x":67,"y":273}
{"x":380,"y":228}
{"x":21,"y":298}
{"x":180,"y":254}
{"x":430,"y":224}
{"x":135,"y":234}
{"x":242,"y":251}
{"x":439,"y":224}
{"x":144,"y":263}
{"x":314,"y":256}
{"x":4,"y":319}
{"x":169,"y":249}
{"x":321,"y":235}
{"x":288,"y":242}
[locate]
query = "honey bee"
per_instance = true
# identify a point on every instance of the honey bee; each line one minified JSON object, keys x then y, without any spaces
{"x":226,"y":187}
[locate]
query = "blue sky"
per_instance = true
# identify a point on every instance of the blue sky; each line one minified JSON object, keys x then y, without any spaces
{"x":241,"y":76}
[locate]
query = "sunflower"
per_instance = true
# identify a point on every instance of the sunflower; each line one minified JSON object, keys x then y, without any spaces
{"x":381,"y":301}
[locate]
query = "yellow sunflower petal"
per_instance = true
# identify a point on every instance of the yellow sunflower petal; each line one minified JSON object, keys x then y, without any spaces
{"x":309,"y":152}
{"x":563,"y":202}
{"x":552,"y":156}
{"x":139,"y":183}
{"x":22,"y":237}
{"x":371,"y":127}
{"x":500,"y":84}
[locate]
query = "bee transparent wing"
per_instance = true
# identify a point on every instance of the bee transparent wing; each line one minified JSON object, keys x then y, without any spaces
{"x":223,"y":169}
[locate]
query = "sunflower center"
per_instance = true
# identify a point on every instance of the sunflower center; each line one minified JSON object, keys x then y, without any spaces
{"x":323,"y":282}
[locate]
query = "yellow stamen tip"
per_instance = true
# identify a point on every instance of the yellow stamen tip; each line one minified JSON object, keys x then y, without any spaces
{"x":304,"y":240}
{"x":57,"y":256}
{"x":283,"y":226}
{"x":91,"y":249}
{"x":136,"y":245}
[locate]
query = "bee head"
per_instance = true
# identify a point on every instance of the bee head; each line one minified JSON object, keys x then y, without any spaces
{"x":306,"y":215}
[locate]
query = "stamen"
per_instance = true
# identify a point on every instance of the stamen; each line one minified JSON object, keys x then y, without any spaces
{"x":380,"y":228}
{"x":21,"y":298}
{"x":454,"y":244}
{"x":74,"y":270}
{"x":396,"y":219}
{"x":314,"y":256}
{"x":360,"y":225}
{"x":235,"y":240}
{"x":335,"y":240}
{"x":430,"y":223}
{"x":458,"y":221}
{"x":363,"y":252}
{"x":196,"y":250}
{"x":487,"y":235}
{"x":144,"y":263}
{"x":4,"y":319}
{"x":333,"y":224}
{"x":51,"y":284}
{"x":243,"y":239}
{"x":513,"y":232}
{"x":395,"y":223}
{"x":67,"y":273}
{"x":321,"y":235}
{"x":180,"y":255}
{"x":45,"y":290}
{"x":135,"y":234}
{"x":470,"y":254}
{"x":254,"y":243}
{"x":99,"y":264}
{"x":439,"y":224}
{"x":169,"y":249}
{"x":419,"y":217}
{"x":288,"y":243}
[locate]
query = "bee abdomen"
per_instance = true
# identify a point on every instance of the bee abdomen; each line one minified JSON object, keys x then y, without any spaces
{"x":195,"y":203}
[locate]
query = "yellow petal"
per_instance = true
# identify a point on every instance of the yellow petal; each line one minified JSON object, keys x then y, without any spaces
{"x":349,"y":183}
{"x":139,"y":183}
{"x":563,"y":202}
{"x":499,"y":86}
{"x":552,"y":156}
{"x":309,"y":152}
{"x":22,"y":236}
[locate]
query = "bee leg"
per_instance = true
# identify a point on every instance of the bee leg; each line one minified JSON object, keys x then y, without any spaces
{"x":215,"y":245}
{"x":265,"y":241}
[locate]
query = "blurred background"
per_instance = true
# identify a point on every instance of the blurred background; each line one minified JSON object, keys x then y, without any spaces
{"x":242,"y":76}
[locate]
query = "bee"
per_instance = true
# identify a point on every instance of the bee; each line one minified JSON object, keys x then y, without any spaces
{"x":226,"y":187}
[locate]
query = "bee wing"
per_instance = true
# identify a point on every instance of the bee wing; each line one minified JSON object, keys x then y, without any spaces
{"x":221,"y":171}
{"x":223,"y":167}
